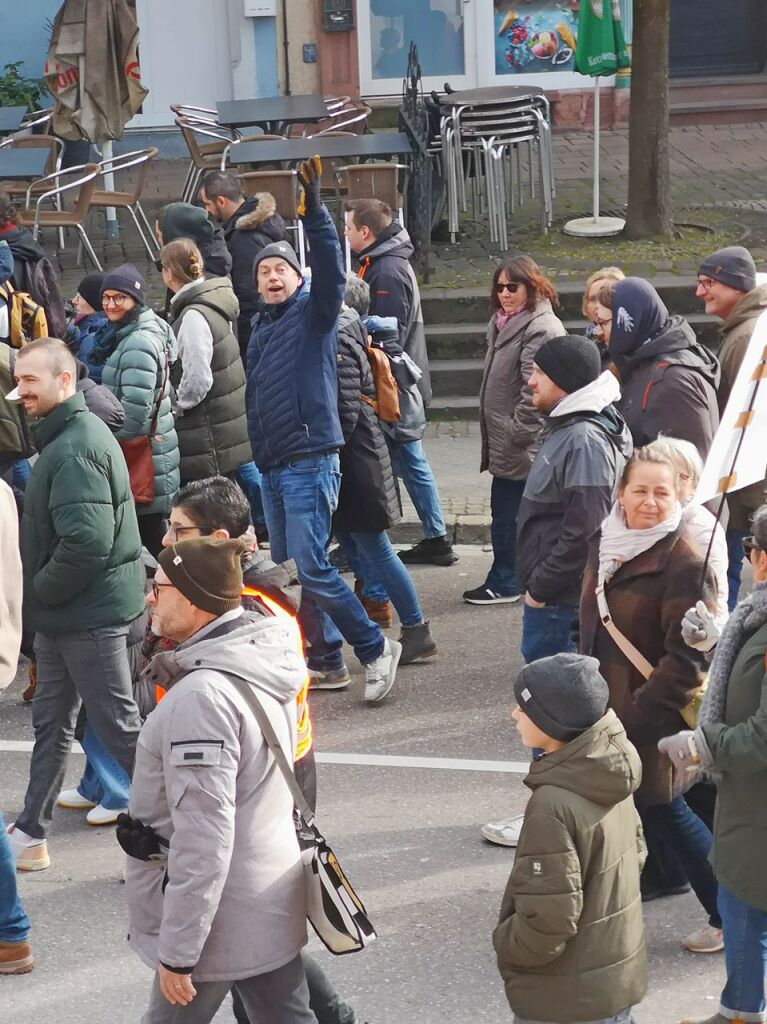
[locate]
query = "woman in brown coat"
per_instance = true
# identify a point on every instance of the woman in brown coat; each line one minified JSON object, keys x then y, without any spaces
{"x":648,"y":576}
{"x":522,"y":301}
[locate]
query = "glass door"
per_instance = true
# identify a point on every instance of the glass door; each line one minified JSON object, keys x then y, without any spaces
{"x":443,"y":30}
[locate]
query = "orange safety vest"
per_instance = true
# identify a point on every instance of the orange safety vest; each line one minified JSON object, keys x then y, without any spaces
{"x":304,"y":724}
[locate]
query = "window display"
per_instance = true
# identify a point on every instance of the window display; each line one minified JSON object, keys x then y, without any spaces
{"x":435,"y":26}
{"x":534,"y":35}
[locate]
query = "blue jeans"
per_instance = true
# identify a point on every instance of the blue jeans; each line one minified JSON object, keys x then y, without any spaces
{"x":505,"y":498}
{"x":104,"y":781}
{"x":547,"y":631}
{"x":249,"y":479}
{"x":745,"y":953}
{"x":373,"y":559}
{"x":21,"y":474}
{"x":736,"y":553}
{"x":299,"y":500}
{"x":678,"y":826}
{"x":410,"y":463}
{"x":14,"y":923}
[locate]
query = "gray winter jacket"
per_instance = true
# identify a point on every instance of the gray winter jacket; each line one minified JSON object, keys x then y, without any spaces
{"x":235,"y":902}
{"x":571,"y":487}
{"x":385,"y":265}
{"x":510,"y":424}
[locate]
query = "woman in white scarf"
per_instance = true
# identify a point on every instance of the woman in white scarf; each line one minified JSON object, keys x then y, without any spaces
{"x":636,"y":591}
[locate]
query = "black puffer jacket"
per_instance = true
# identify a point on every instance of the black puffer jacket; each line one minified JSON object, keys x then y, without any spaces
{"x":182,"y":220}
{"x":668,"y":386}
{"x":368,"y":501}
{"x":255,"y":224}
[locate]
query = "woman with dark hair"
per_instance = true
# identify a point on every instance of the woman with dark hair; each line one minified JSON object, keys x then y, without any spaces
{"x":136,"y":349}
{"x":522,"y":301}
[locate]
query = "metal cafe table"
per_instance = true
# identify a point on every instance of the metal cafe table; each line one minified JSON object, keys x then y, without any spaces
{"x":272,"y":113}
{"x":22,"y":163}
{"x":11,"y":118}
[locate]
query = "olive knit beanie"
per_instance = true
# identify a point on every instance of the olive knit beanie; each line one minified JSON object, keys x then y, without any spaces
{"x":733,"y":266}
{"x":207,"y":571}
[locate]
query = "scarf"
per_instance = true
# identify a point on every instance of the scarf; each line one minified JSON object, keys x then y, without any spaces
{"x":501,"y":318}
{"x":747,"y":617}
{"x":618,"y":543}
{"x":109,"y":338}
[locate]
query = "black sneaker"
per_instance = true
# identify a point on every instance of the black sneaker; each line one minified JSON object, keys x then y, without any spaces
{"x":430,"y":551}
{"x":484,"y":595}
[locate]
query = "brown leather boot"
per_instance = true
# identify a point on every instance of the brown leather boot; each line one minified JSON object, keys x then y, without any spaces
{"x":15,"y":958}
{"x":29,"y":693}
{"x":379,"y":611}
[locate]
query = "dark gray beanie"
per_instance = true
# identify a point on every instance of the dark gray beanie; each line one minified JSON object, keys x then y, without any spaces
{"x":125,"y":279}
{"x":571,"y":362}
{"x":281,"y":250}
{"x":563,"y":695}
{"x":733,"y":266}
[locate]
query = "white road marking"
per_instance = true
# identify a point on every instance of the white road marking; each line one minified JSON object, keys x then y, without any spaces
{"x":365,"y":760}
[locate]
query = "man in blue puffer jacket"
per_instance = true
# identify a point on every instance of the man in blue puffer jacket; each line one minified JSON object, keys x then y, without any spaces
{"x":292,"y":400}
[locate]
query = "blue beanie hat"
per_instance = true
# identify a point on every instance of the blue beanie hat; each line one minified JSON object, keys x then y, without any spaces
{"x":638,"y":315}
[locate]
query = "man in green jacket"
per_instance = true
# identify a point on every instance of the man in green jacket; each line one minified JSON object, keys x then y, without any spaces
{"x":570,"y":939}
{"x":83,"y":584}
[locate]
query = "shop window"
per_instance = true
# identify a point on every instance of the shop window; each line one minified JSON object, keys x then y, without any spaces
{"x":534,"y":35}
{"x":435,"y":26}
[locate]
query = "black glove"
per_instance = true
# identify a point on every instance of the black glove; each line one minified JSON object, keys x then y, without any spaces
{"x":140,"y":841}
{"x":309,"y":176}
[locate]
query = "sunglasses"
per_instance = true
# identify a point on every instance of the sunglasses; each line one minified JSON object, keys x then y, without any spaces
{"x":513,"y":287}
{"x":749,"y":545}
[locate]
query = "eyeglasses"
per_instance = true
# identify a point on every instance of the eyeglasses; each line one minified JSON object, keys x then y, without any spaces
{"x":114,"y":300}
{"x":511,"y":286}
{"x":706,"y":283}
{"x":749,"y":545}
{"x":156,"y":589}
{"x":603,"y":323}
{"x":175,"y":531}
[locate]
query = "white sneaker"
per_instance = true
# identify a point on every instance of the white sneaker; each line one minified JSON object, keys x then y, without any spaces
{"x":29,"y":853}
{"x":503,"y":833}
{"x":103,"y":815}
{"x":379,"y":674}
{"x":73,"y":800}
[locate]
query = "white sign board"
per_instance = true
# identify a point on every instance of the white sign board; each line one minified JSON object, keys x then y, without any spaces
{"x":738,"y":455}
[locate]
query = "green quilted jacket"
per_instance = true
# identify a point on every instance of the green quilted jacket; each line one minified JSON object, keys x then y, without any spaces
{"x":134,"y":373}
{"x":80,"y":543}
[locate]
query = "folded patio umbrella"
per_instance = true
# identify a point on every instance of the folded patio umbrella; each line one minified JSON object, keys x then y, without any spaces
{"x":92,"y":69}
{"x":599,"y":52}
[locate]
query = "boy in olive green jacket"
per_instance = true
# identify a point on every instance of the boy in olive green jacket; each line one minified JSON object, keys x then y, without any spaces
{"x":570,"y":939}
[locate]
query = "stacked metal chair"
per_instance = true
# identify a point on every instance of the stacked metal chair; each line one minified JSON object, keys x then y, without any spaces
{"x":484,"y":135}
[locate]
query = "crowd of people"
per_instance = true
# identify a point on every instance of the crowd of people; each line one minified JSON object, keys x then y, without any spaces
{"x":151,"y":454}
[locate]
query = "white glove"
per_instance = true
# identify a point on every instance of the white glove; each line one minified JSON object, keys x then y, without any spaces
{"x":699,"y":628}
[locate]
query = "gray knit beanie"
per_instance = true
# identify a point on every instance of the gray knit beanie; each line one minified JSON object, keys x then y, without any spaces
{"x":733,"y":266}
{"x":563,"y":695}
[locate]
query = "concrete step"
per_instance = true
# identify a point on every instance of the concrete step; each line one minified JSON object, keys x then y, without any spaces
{"x":715,"y":88}
{"x":472,"y":305}
{"x":741,"y":110}
{"x":456,"y":359}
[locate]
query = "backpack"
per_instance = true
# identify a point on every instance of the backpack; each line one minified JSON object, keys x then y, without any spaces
{"x":386,"y":402}
{"x":26,"y":318}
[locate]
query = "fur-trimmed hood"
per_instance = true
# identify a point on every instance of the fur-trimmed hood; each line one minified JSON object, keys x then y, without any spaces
{"x":254,"y":211}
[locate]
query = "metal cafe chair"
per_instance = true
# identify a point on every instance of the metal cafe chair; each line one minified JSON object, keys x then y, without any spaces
{"x":378,"y":180}
{"x":85,"y":176}
{"x":206,"y":157}
{"x":130,"y":199}
{"x":283,"y":185}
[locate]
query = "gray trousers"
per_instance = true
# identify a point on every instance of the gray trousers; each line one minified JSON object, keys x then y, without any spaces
{"x":278,"y":997}
{"x":92,"y":667}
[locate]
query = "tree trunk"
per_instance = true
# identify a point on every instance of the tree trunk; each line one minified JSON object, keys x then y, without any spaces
{"x":649,"y":204}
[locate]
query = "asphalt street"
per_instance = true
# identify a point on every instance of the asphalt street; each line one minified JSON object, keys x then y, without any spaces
{"x":407,"y":835}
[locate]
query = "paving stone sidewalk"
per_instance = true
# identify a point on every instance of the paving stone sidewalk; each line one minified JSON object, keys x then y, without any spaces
{"x":719,"y":189}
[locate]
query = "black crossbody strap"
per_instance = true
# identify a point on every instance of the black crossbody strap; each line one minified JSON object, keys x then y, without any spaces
{"x":248,"y":694}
